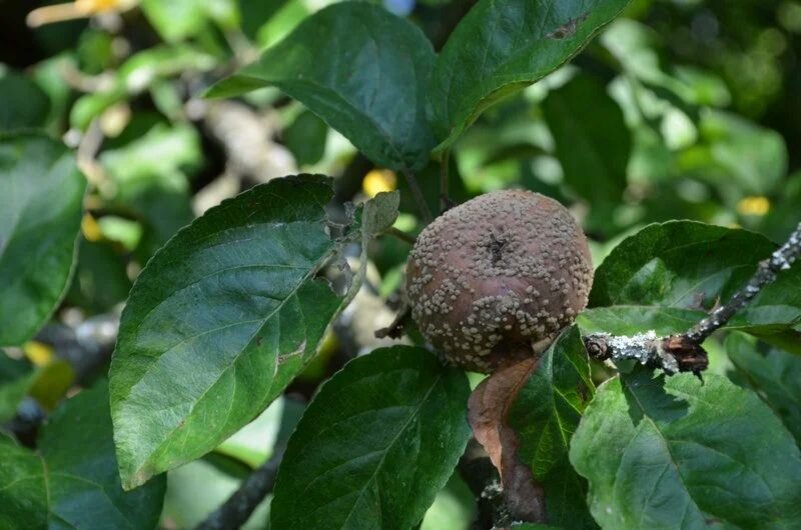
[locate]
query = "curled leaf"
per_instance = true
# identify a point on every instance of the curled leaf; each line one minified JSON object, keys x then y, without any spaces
{"x":489,"y":407}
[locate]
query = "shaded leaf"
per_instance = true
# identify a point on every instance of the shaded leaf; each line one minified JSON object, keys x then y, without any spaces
{"x":544,"y":415}
{"x":673,"y":272}
{"x":592,"y":141}
{"x":362,"y":70}
{"x":52,"y":382}
{"x":40,"y":214}
{"x":71,"y":481}
{"x":678,"y":453}
{"x":773,"y":374}
{"x":16,"y":378}
{"x":375,"y":445}
{"x":256,"y":13}
{"x":378,"y":214}
{"x":501,"y":47}
{"x":25,"y":105}
{"x":220,"y":321}
{"x":100,"y":281}
{"x":306,"y":138}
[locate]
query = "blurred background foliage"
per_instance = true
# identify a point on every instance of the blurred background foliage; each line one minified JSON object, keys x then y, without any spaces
{"x":682,"y":109}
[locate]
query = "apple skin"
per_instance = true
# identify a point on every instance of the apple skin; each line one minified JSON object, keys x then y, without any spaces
{"x":492,"y":281}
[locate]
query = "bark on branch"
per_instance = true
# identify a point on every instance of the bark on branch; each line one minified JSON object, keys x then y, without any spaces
{"x":683,"y":353}
{"x":240,"y":505}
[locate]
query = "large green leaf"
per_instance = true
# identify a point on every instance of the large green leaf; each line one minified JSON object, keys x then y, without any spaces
{"x":376,"y":444}
{"x":501,"y":47}
{"x":41,"y":202}
{"x":678,"y":453}
{"x":674,"y":272}
{"x":592,"y":140}
{"x":220,"y":321}
{"x":773,"y":374}
{"x":544,"y":416}
{"x":633,"y":319}
{"x":361,"y":69}
{"x":71,"y":481}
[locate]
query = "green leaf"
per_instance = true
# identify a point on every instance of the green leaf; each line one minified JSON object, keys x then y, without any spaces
{"x":40,"y":215}
{"x":502,"y":47}
{"x":375,"y":445}
{"x":219,"y":322}
{"x":772,"y":373}
{"x":229,"y":307}
{"x":256,"y":13}
{"x":678,"y":453}
{"x":592,"y":141}
{"x":362,"y":70}
{"x":306,"y":138}
{"x":675,"y":271}
{"x":378,"y":214}
{"x":25,"y":105}
{"x":544,"y":416}
{"x":633,"y":319}
{"x":100,"y":281}
{"x":16,"y":378}
{"x":71,"y":481}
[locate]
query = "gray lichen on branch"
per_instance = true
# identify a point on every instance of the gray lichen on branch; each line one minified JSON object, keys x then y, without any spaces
{"x":673,"y":354}
{"x":684,"y":353}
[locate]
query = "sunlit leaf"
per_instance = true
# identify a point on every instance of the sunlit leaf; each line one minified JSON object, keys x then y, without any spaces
{"x":221,"y":320}
{"x":375,"y":445}
{"x":678,"y":453}
{"x":362,"y":70}
{"x":501,"y":47}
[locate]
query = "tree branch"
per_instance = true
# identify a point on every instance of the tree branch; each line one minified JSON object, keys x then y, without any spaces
{"x":766,"y":274}
{"x":444,"y":179}
{"x":419,"y":198}
{"x":240,"y":505}
{"x":400,"y":234}
{"x":683,"y":353}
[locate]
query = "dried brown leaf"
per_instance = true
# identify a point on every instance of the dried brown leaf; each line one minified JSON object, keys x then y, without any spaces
{"x":488,"y":410}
